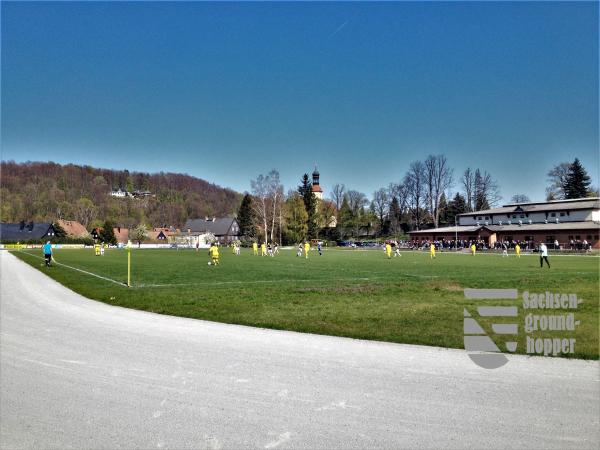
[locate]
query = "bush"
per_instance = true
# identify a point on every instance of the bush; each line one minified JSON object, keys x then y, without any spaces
{"x":54,"y":240}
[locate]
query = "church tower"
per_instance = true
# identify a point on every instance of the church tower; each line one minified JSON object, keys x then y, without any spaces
{"x":316,"y":188}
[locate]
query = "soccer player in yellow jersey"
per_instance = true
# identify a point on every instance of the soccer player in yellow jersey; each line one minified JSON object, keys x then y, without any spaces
{"x":388,"y":250}
{"x":213,"y":251}
{"x":306,"y":249}
{"x":255,"y":248}
{"x":518,"y":250}
{"x":432,"y":250}
{"x":263,"y":249}
{"x":97,"y":249}
{"x":473,"y":249}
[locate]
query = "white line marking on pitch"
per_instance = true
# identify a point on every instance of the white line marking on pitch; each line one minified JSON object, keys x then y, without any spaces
{"x":81,"y":270}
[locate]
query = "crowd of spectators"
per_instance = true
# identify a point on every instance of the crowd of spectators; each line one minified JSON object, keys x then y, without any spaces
{"x":452,"y":244}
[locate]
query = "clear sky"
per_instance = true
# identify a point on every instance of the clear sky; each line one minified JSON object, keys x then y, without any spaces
{"x":230,"y":90}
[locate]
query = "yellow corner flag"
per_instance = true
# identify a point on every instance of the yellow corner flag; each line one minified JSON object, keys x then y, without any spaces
{"x":128,"y":263}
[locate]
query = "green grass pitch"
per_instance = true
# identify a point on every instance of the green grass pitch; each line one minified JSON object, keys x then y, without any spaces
{"x":360,"y":294}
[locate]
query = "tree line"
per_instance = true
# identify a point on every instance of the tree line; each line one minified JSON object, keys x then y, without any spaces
{"x":430,"y":195}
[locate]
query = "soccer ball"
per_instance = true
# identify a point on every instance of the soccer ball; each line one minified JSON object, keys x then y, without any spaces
{"x":209,"y":263}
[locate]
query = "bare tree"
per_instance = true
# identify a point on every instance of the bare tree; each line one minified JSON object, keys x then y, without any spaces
{"x":356,"y":201}
{"x":397,"y":204}
{"x":63,"y":210}
{"x":414,"y":183}
{"x":275,"y":190}
{"x":269,"y":193}
{"x":594,"y":191}
{"x":438,"y":178}
{"x":326,"y":213}
{"x":277,"y":206}
{"x":380,"y":205}
{"x":481,"y":190}
{"x":85,"y":211}
{"x":468,"y":182}
{"x":398,"y":191}
{"x":519,"y":198}
{"x":260,"y":190}
{"x":486,"y":192}
{"x":337,"y":195}
{"x":557,"y":177}
{"x":492,"y":190}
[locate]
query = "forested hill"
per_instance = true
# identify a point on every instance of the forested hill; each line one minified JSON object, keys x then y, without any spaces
{"x":45,"y":191}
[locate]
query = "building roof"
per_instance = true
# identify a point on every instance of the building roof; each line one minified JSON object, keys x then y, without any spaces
{"x":166,"y":230}
{"x":154,"y":235}
{"x":553,"y":205}
{"x":452,"y":229}
{"x":73,"y":228}
{"x":546,"y":226}
{"x":316,"y":188}
{"x":121,"y":234}
{"x":24,"y":231}
{"x":563,"y":226}
{"x":217,"y":226}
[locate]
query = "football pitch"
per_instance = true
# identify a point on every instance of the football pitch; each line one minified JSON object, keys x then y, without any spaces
{"x":360,"y":294}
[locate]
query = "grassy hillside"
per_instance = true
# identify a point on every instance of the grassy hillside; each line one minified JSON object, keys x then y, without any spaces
{"x":45,"y":191}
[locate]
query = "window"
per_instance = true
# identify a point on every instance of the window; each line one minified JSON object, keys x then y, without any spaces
{"x":552,"y":214}
{"x":577,"y":237}
{"x":549,"y":238}
{"x":562,"y":214}
{"x":522,"y":216}
{"x":595,"y":237}
{"x":528,"y":238}
{"x":589,"y":237}
{"x":514,"y":216}
{"x":487,"y":218}
{"x":570,"y":237}
{"x":508,"y":238}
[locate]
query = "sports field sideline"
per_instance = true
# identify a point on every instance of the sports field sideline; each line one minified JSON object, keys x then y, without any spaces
{"x":361,"y":294}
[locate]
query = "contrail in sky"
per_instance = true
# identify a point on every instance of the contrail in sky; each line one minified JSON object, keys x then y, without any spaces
{"x":338,"y":29}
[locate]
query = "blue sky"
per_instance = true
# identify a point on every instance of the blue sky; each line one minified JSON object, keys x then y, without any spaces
{"x":227,"y":91}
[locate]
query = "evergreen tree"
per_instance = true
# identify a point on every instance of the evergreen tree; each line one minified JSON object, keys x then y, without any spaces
{"x":458,"y":205}
{"x":107,"y":234}
{"x":305,"y":188}
{"x":481,"y":203}
{"x":577,"y":182}
{"x":444,"y":218}
{"x":245,"y":217}
{"x":395,"y":215}
{"x":345,"y":221}
{"x":310,"y":204}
